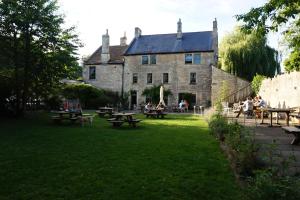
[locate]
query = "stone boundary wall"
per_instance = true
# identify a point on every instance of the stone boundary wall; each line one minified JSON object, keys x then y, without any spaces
{"x":282,"y":91}
{"x":234,"y":84}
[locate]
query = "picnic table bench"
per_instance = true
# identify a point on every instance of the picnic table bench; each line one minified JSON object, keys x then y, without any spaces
{"x":295,"y":131}
{"x":120,"y":118}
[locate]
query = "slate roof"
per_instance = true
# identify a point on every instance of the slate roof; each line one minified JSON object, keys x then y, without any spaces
{"x":116,"y":55}
{"x":168,"y":43}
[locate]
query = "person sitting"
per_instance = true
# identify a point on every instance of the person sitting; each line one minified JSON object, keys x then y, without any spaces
{"x":148,"y":107}
{"x":181,"y":105}
{"x":261,"y":102}
{"x":247,"y":107}
{"x":186,"y":105}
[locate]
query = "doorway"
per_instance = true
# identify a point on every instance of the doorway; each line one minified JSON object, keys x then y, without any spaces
{"x":133,"y":103}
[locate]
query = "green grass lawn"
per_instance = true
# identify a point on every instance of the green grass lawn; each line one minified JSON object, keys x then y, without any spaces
{"x":173,"y":158}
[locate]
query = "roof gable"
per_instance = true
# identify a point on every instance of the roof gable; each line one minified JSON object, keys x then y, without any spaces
{"x":116,"y":55}
{"x":168,"y":43}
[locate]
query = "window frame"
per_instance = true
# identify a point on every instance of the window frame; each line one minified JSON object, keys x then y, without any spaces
{"x":165,"y":82}
{"x":148,"y":76}
{"x":153,"y":57}
{"x":135,"y":78}
{"x":92,"y":76}
{"x":145,"y":56}
{"x":194,"y":80}
{"x":199,"y":59}
{"x":185,"y":58}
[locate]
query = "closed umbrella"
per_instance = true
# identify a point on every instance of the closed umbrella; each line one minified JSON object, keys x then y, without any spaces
{"x":161,"y":96}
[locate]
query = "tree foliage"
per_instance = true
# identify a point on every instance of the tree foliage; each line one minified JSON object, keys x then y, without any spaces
{"x":90,"y":96}
{"x":36,"y":52}
{"x":256,"y":83}
{"x":245,"y":55}
{"x":272,"y":16}
{"x":154,"y":93}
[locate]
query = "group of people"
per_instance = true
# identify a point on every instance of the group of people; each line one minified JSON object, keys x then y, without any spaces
{"x":150,"y":106}
{"x":248,"y":105}
{"x":183,"y":105}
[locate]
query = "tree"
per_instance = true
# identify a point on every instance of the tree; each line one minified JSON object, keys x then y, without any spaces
{"x":256,"y":83}
{"x":245,"y":55}
{"x":36,"y":51}
{"x":272,"y":16}
{"x":154,"y":93}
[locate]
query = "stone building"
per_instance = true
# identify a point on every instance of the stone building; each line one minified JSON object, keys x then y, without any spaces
{"x":182,"y":62}
{"x":105,"y":67}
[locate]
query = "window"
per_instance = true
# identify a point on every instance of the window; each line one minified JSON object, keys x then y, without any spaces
{"x":165,"y":78}
{"x":188,"y":58}
{"x":153,"y":59}
{"x":145,"y":60}
{"x":134,"y":78}
{"x":192,"y":78}
{"x":92,"y":72}
{"x":149,"y":78}
{"x":197,"y":58}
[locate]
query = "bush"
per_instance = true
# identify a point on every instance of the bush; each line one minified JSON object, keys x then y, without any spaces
{"x":256,"y":83}
{"x":241,"y":142}
{"x":89,"y":96}
{"x":266,"y":185}
{"x":218,"y":126}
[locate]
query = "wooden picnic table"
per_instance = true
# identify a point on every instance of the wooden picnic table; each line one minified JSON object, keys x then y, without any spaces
{"x":102,"y":111}
{"x":65,"y":115}
{"x":275,"y":110}
{"x":120,"y":118}
{"x":295,"y":131}
{"x":156,"y":112}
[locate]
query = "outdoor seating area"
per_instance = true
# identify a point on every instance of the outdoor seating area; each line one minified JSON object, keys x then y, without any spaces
{"x":264,"y":116}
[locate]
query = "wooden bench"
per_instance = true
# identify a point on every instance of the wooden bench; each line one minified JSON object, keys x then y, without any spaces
{"x":100,"y":113}
{"x":116,"y":123}
{"x":150,"y":114}
{"x":133,"y":122}
{"x":56,"y":119}
{"x":295,"y":131}
{"x":74,"y":119}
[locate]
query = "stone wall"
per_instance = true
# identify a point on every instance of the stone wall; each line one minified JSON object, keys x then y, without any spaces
{"x":179,"y":76}
{"x":282,"y":91}
{"x":234,"y":83}
{"x":107,"y":77}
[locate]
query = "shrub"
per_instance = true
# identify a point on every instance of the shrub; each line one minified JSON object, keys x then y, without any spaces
{"x":218,"y":126}
{"x":266,"y":185}
{"x":241,"y":142}
{"x":89,"y":96}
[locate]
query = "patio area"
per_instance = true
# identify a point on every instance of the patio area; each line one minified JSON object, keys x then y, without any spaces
{"x":272,"y":136}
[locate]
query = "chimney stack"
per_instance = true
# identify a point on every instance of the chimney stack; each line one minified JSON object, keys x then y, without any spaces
{"x":179,"y":29}
{"x":105,"y":56}
{"x":138,"y":32}
{"x":123,"y":40}
{"x":215,"y":41}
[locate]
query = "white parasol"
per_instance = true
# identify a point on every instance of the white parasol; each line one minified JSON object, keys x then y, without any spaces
{"x":161,"y":96}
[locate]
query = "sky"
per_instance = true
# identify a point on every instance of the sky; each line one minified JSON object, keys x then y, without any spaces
{"x":93,"y":17}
